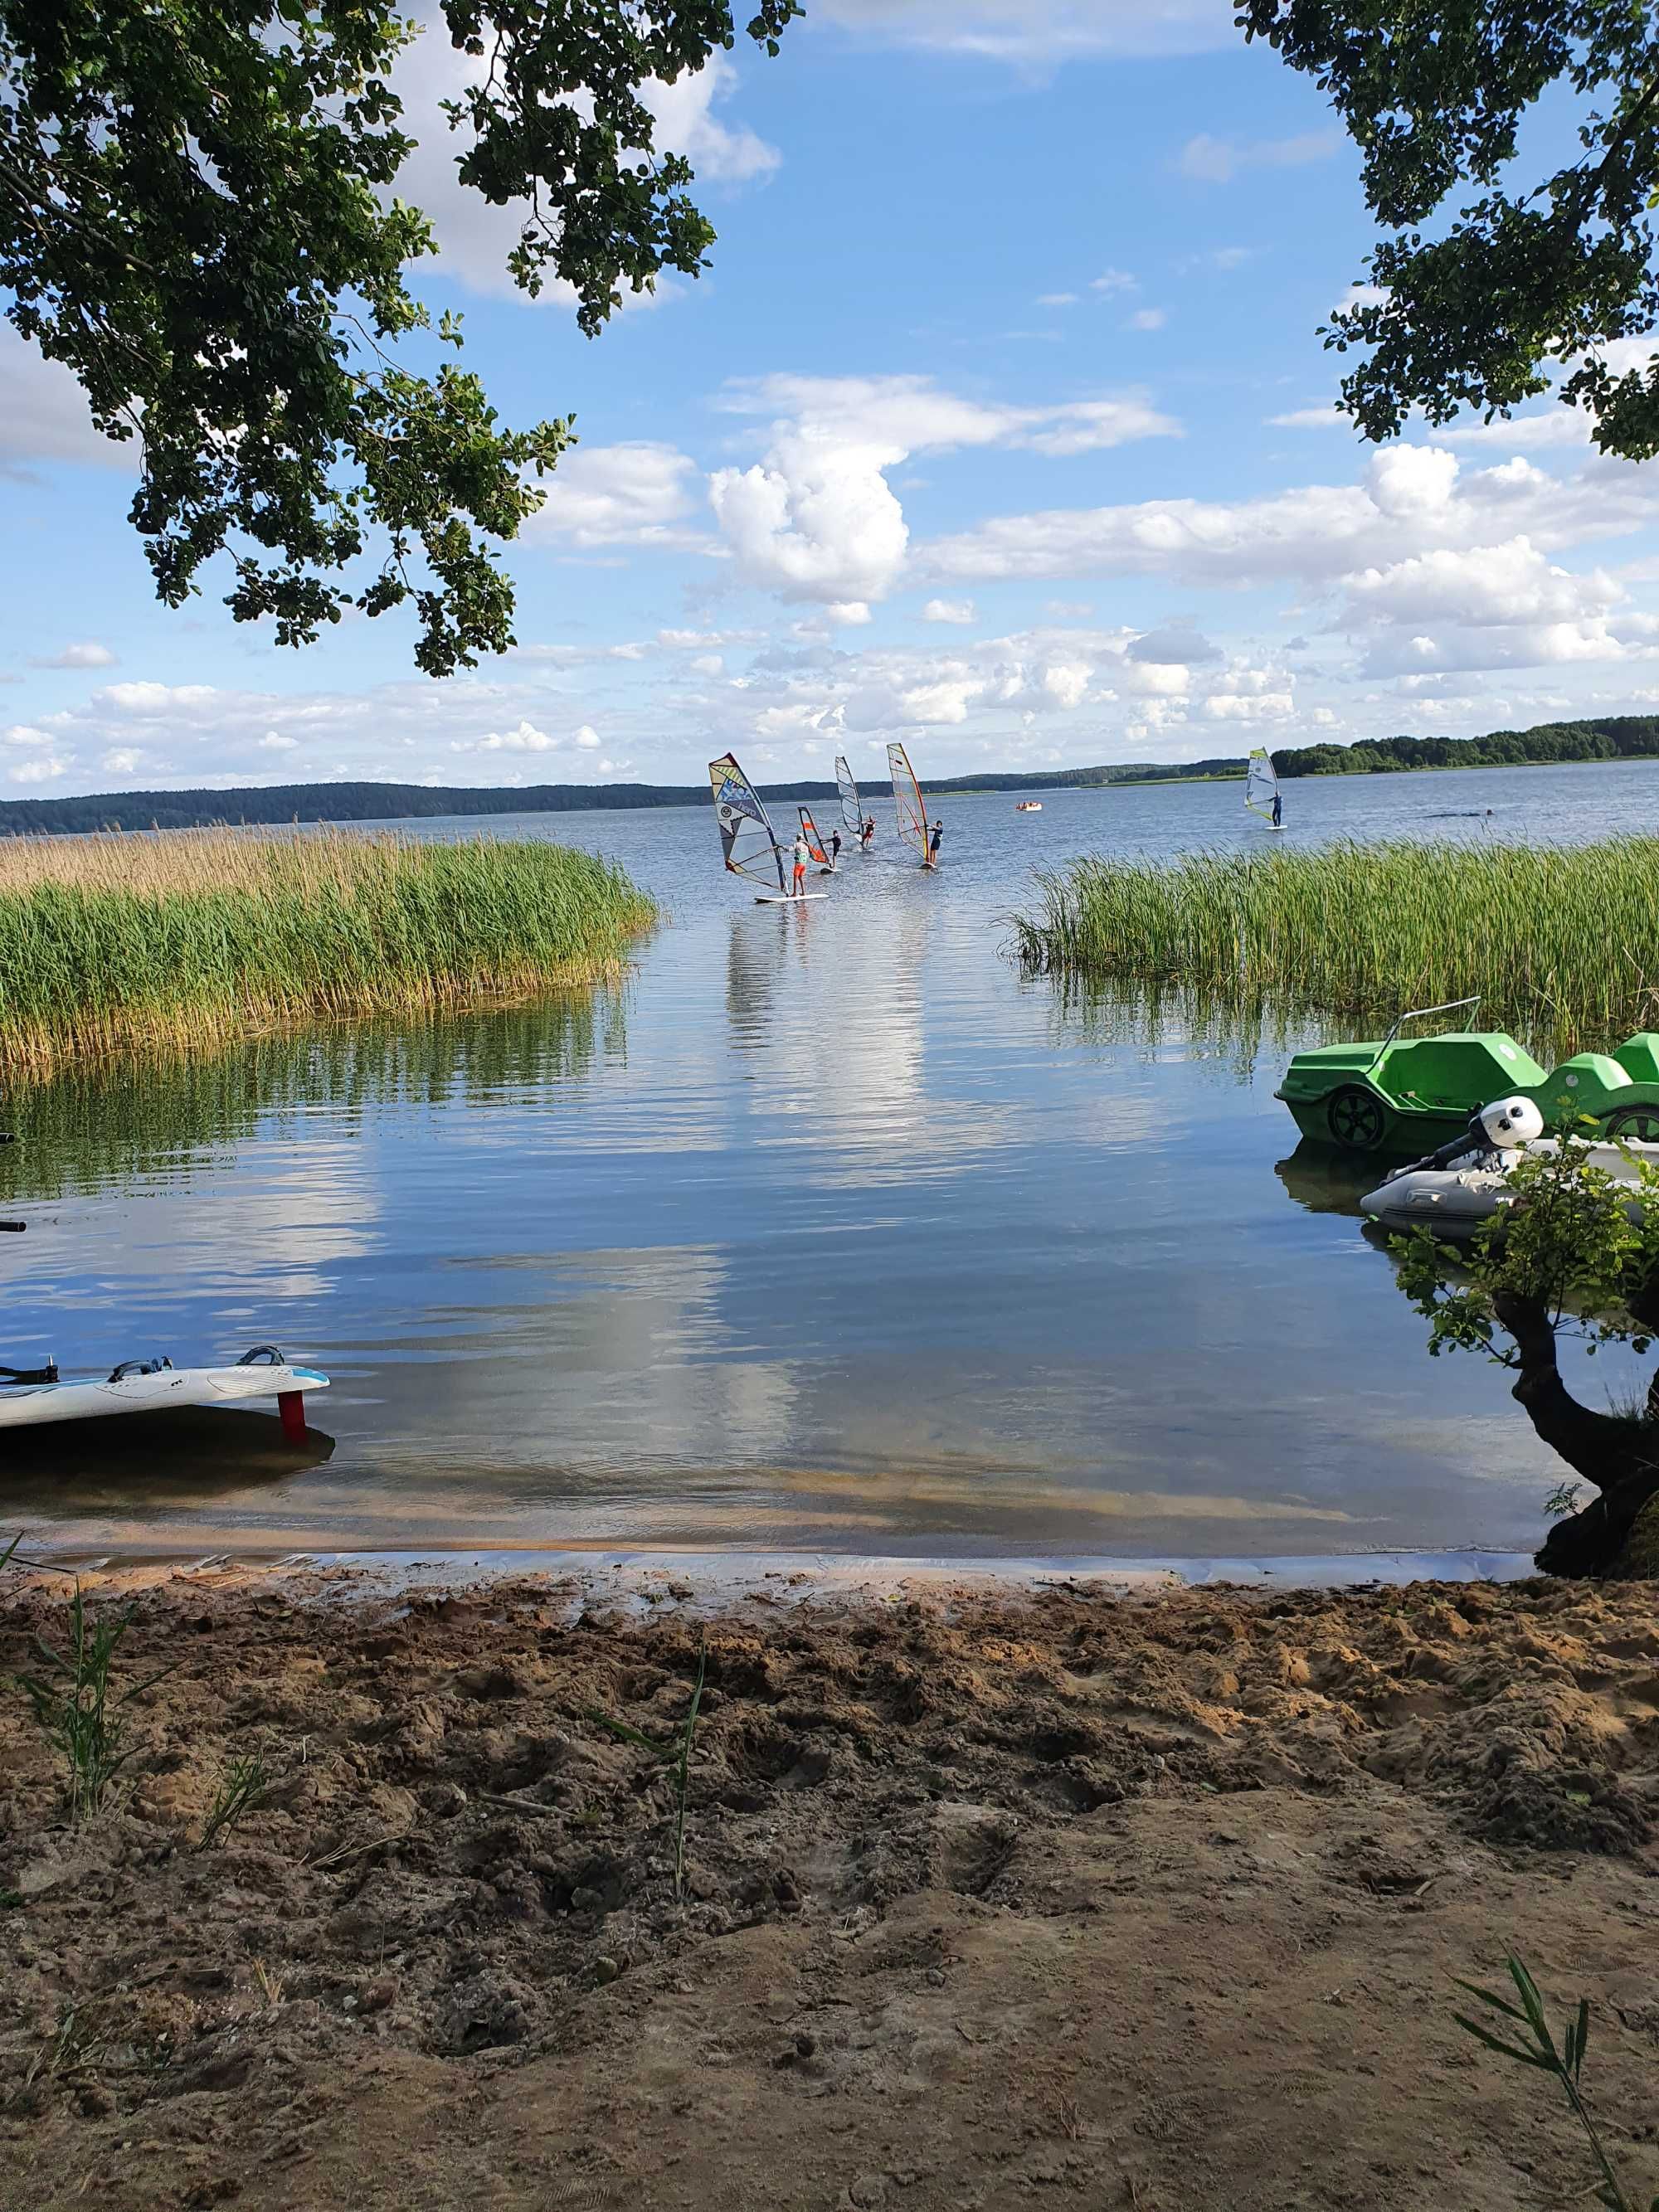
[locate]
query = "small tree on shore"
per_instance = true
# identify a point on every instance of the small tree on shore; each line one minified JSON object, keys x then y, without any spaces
{"x":1566,"y":1260}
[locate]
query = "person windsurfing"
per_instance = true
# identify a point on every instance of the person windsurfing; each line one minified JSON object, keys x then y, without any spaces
{"x":934,"y":841}
{"x":835,"y":846}
{"x":867,"y":833}
{"x":1279,"y":812}
{"x":802,"y":855}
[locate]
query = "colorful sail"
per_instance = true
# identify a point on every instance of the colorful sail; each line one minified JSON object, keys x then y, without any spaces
{"x":908,"y":799}
{"x":747,"y":841}
{"x":1261,"y":785}
{"x":814,"y":844}
{"x":851,"y":806}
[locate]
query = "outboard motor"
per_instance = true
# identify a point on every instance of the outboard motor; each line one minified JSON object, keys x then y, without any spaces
{"x":1502,"y":1126}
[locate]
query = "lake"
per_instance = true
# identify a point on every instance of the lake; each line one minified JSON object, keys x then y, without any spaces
{"x":826,"y":1230}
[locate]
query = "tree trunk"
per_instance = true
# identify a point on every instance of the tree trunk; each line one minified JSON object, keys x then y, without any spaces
{"x":1615,"y":1453}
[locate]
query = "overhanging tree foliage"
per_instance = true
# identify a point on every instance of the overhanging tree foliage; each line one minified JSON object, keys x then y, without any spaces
{"x":198,"y":217}
{"x":1566,"y":1258}
{"x":1538,"y":260}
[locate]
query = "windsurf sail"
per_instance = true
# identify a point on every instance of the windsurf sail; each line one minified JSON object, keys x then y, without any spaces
{"x":851,"y":806}
{"x":747,"y":841}
{"x":908,"y":799}
{"x":1261,"y":784}
{"x":814,"y":844}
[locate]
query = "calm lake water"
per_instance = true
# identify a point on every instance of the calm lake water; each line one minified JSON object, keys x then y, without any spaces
{"x":827,"y":1230}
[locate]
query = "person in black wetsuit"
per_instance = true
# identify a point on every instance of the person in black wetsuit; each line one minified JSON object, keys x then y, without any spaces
{"x":835,"y":846}
{"x":1279,"y":812}
{"x":933,"y":844}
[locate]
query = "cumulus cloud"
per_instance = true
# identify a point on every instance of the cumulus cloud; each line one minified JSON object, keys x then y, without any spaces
{"x":44,"y":415}
{"x":1147,"y":318}
{"x":817,"y":518}
{"x":950,"y":610}
{"x":1174,"y":641}
{"x":1218,"y":161}
{"x":474,"y":236}
{"x":634,"y":494}
{"x":121,"y":760}
{"x":87,"y":655}
{"x":46,"y":769}
{"x":1409,"y":500}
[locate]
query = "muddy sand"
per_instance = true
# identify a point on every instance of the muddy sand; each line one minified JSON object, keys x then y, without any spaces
{"x":990,"y":1899}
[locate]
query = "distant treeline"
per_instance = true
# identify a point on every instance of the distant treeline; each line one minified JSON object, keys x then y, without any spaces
{"x":392,"y":802}
{"x":1614,"y":737}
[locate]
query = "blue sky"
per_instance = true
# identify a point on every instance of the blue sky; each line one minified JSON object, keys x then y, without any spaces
{"x":1001,"y":424}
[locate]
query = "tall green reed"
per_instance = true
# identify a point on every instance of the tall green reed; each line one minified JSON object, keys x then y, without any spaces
{"x":1562,"y":943}
{"x":183,"y":940}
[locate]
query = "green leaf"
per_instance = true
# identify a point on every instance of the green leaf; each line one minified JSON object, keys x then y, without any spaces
{"x":1497,"y":2043}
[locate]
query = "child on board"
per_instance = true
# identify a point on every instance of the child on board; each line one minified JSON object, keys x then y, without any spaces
{"x":933,"y":844}
{"x":835,"y":846}
{"x":802,"y":856}
{"x":868,"y":835}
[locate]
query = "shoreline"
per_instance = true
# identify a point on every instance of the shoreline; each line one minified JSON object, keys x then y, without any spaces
{"x":1152,"y":1895}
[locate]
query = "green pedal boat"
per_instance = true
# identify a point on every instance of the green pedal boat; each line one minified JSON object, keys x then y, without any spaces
{"x":1409,"y":1094}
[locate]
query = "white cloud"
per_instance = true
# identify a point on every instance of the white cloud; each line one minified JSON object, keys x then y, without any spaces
{"x":44,"y":415}
{"x":587,"y":738}
{"x":274,"y":742}
{"x":475,"y":237}
{"x":1114,"y":280}
{"x":121,"y":760}
{"x":1037,"y":30}
{"x":1218,"y":161}
{"x":1506,"y":583}
{"x":150,"y":698}
{"x":39,"y":771}
{"x":1329,"y":418}
{"x":817,"y":518}
{"x":1520,"y":433}
{"x":709,"y":664}
{"x":524,"y":739}
{"x":1359,"y":295}
{"x":87,"y":655}
{"x":1147,"y":318}
{"x":1057,"y":299}
{"x":628,"y":495}
{"x":1410,"y":499}
{"x":950,"y":610}
{"x":24,"y":733}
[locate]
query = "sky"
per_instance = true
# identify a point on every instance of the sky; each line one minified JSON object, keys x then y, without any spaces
{"x":1000,"y":424}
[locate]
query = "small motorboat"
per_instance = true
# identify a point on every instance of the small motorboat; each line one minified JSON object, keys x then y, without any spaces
{"x":29,"y":1399}
{"x":1459,"y":1189}
{"x":1028,"y":807}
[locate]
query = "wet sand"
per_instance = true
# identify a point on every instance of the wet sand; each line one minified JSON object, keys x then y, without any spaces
{"x":1143,"y":1896}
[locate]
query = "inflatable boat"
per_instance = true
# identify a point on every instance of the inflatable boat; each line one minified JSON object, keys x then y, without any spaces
{"x":30,"y":1399}
{"x":1457,"y":1190}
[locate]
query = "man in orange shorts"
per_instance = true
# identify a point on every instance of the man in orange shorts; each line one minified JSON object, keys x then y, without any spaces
{"x":802,"y":858}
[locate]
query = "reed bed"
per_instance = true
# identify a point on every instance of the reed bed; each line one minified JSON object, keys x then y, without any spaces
{"x":180,"y":940}
{"x":1562,"y":943}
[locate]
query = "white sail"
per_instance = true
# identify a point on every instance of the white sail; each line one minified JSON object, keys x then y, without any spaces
{"x":1261,"y":785}
{"x":851,"y":806}
{"x":911,"y":807}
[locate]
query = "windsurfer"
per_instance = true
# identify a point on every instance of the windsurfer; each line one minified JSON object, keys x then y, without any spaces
{"x":802,"y":856}
{"x":835,"y":846}
{"x":1279,"y":812}
{"x":934,"y":843}
{"x":867,"y":833}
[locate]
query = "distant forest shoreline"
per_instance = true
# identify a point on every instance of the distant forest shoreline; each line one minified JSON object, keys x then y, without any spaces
{"x":1609,"y":738}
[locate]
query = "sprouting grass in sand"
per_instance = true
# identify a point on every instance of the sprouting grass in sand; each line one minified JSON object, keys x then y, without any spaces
{"x":79,"y":1711}
{"x":180,"y":940}
{"x":678,"y":1749}
{"x":1562,"y":943}
{"x":1521,"y":2032}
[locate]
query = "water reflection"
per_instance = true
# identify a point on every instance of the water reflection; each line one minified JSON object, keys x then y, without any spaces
{"x":832,"y":1229}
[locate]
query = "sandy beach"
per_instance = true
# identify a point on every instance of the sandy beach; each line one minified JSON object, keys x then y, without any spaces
{"x":991,"y":1897}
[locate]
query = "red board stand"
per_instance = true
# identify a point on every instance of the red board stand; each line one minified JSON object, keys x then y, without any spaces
{"x":291,"y":1405}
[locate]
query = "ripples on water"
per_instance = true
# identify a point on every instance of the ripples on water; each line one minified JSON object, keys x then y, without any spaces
{"x":827,"y":1229}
